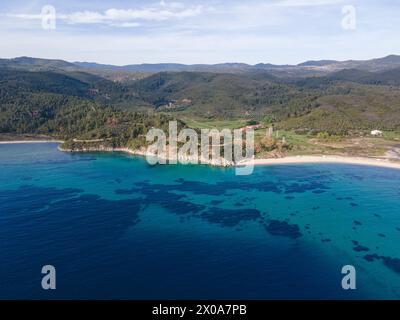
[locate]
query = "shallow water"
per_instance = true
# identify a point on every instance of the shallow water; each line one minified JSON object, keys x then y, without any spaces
{"x":116,"y":228}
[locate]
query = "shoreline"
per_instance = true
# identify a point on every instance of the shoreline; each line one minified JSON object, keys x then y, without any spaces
{"x":328,"y":159}
{"x":30,"y":141}
{"x":317,"y":159}
{"x":311,"y":159}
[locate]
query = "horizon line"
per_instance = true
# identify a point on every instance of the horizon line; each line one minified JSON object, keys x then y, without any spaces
{"x":199,"y":64}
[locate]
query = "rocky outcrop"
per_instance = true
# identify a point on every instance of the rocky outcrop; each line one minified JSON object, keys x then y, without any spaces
{"x":183,"y":159}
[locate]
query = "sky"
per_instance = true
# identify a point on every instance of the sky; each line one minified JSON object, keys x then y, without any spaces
{"x":125,"y":32}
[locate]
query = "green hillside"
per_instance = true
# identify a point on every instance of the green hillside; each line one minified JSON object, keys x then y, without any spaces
{"x":59,"y":105}
{"x":69,"y":102}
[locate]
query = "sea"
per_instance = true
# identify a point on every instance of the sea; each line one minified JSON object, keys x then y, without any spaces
{"x":115,"y":227}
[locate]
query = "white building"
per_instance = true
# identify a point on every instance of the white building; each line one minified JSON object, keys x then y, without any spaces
{"x":376,"y":133}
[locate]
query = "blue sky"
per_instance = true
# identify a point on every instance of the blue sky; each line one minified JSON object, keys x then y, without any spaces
{"x":192,"y":31}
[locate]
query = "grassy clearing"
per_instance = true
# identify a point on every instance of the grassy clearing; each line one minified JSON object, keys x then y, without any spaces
{"x":391,"y":135}
{"x":307,"y":144}
{"x":217,"y":124}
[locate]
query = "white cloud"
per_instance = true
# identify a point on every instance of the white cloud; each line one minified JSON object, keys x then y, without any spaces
{"x":127,"y":24}
{"x":285,"y":31}
{"x":125,"y":17}
{"x":307,"y":3}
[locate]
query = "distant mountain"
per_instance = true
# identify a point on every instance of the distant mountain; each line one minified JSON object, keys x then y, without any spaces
{"x":388,"y":77}
{"x":136,"y":68}
{"x":318,"y":63}
{"x":36,"y":64}
{"x":374,"y":65}
{"x":170,"y":67}
{"x":389,"y":62}
{"x":308,"y":68}
{"x":138,"y":71}
{"x":94,"y":65}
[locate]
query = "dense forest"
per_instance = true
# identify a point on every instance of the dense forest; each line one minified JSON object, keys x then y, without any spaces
{"x":63,"y":107}
{"x":57,"y":99}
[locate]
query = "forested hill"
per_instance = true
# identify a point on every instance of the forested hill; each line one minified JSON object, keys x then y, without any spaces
{"x":348,"y":100}
{"x":65,"y":107}
{"x":55,"y":97}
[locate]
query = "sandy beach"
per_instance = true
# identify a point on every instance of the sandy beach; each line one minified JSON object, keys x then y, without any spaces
{"x":329,"y":159}
{"x":385,"y":163}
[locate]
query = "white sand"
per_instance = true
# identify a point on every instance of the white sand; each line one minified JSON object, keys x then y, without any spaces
{"x":386,"y":163}
{"x":329,"y":159}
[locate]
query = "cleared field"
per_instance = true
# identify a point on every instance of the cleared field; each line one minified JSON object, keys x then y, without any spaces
{"x":214,"y":124}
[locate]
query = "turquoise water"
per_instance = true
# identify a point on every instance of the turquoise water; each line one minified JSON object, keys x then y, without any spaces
{"x":116,"y":228}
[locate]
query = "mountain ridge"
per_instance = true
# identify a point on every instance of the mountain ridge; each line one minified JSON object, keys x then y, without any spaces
{"x":305,"y":68}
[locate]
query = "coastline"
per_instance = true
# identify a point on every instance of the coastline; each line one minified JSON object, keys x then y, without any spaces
{"x":328,"y":159}
{"x":221,"y":162}
{"x":30,"y":141}
{"x":311,"y":159}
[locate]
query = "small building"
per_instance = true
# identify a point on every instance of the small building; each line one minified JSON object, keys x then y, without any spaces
{"x":376,"y":133}
{"x":187,"y":101}
{"x":253,"y":127}
{"x":93,"y":91}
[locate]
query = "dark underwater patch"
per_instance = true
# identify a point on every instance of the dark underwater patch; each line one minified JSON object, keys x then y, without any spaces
{"x":371,"y":257}
{"x":283,"y":228}
{"x":381,"y":235}
{"x":391,"y":263}
{"x":304,"y":187}
{"x":357,"y":223}
{"x":194,"y":187}
{"x":229,"y":217}
{"x":360,"y":248}
{"x":290,"y":198}
{"x":125,"y":191}
{"x":221,"y":187}
{"x":183,"y":207}
{"x":164,"y":196}
{"x":262,"y":186}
